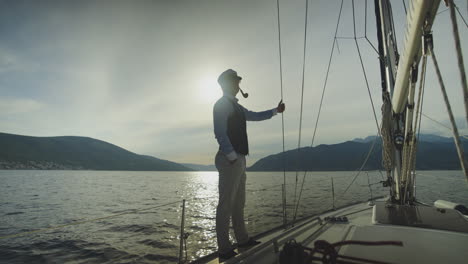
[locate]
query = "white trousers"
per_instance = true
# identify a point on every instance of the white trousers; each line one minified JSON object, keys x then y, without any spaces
{"x":231,"y":201}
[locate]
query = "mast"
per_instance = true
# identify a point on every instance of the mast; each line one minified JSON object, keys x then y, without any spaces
{"x":391,"y":127}
{"x":399,"y":77}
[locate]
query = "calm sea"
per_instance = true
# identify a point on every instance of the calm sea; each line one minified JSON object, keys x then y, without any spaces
{"x":126,"y":217}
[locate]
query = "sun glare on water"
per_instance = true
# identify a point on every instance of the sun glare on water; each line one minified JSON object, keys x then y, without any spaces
{"x":209,"y":89}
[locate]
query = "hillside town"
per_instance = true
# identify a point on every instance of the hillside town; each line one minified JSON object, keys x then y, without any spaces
{"x":36,"y":165}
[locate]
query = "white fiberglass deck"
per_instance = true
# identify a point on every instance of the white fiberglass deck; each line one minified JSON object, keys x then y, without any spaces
{"x":420,"y":245}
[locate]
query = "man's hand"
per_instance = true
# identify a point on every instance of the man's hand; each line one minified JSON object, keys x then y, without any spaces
{"x":281,"y":107}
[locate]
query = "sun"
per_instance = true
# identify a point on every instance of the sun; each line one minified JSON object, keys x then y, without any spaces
{"x":209,"y":89}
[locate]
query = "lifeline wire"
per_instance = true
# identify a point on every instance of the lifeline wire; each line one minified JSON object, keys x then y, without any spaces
{"x":84,"y":221}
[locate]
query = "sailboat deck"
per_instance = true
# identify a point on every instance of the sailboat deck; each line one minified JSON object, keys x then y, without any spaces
{"x":420,"y":245}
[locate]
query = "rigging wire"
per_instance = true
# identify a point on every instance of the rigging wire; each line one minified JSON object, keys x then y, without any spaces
{"x":362,"y":166}
{"x":461,"y":65}
{"x":423,"y":85}
{"x":394,"y":44}
{"x":282,"y":114}
{"x":422,"y":104}
{"x":302,"y":99}
{"x":350,"y":37}
{"x":371,"y":149}
{"x":464,"y":21}
{"x":443,"y":11}
{"x":437,"y":122}
{"x":410,"y":147}
{"x":404,"y":6}
{"x":441,"y":124}
{"x":452,"y":119}
{"x":365,"y":30}
{"x":364,"y":72}
{"x":320,"y":107}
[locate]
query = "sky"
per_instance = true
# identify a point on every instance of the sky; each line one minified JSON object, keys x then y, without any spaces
{"x":142,"y":74}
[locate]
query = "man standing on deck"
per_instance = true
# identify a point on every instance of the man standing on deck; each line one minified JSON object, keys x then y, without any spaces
{"x":229,"y":118}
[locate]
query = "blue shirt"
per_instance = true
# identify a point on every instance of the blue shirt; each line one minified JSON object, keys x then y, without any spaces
{"x":221,"y":112}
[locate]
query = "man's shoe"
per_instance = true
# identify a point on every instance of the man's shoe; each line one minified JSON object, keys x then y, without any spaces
{"x":249,"y":243}
{"x":225,"y":256}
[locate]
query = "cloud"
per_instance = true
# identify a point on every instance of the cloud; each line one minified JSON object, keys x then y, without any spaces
{"x":7,"y":61}
{"x":129,"y":73}
{"x":13,"y":106}
{"x":12,"y":62}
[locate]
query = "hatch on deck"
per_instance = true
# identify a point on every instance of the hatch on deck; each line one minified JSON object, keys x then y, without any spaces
{"x":419,"y":245}
{"x":419,"y":216}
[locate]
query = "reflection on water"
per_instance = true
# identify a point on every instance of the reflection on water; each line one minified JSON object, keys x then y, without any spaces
{"x":31,"y":200}
{"x":202,"y":190}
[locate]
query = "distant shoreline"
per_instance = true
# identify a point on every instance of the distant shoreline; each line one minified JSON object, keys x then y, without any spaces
{"x":25,"y":169}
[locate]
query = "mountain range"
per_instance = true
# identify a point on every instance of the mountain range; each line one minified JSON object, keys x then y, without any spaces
{"x":200,"y":167}
{"x":69,"y":152}
{"x":433,"y":153}
{"x":84,"y":153}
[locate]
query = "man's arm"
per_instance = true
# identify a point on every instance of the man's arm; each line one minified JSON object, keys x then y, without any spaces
{"x":258,"y":116}
{"x":221,"y":113}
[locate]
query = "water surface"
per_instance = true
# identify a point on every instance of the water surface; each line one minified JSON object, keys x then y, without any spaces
{"x":139,"y":225}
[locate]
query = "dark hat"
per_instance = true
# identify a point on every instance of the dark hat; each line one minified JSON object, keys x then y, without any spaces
{"x":228,"y":76}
